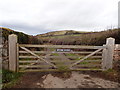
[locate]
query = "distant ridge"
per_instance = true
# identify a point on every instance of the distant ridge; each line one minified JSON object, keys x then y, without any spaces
{"x":62,"y":32}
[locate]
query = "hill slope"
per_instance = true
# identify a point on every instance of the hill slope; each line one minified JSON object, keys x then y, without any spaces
{"x":22,"y":38}
{"x":60,"y":33}
{"x":90,"y":38}
{"x":66,"y":37}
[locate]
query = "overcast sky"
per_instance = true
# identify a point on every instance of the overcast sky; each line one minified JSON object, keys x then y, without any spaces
{"x":41,"y":16}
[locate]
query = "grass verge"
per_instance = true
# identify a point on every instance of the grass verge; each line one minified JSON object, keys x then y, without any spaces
{"x":9,"y":78}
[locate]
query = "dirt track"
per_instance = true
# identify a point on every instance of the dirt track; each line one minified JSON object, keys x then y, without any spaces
{"x":75,"y":80}
{"x":61,"y":80}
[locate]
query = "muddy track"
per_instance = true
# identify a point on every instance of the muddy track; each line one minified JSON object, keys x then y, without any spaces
{"x":55,"y":80}
{"x":64,"y":80}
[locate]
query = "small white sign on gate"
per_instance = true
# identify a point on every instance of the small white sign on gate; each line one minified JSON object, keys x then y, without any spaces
{"x":63,"y":50}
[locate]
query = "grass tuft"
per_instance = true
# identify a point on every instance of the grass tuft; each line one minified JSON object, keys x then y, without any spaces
{"x":10,"y":78}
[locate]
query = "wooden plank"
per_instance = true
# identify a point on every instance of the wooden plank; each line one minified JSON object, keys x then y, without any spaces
{"x":93,"y":61}
{"x":97,"y":69}
{"x":75,"y":57}
{"x":27,"y":57}
{"x":38,"y":56}
{"x":59,"y":57}
{"x":63,"y":46}
{"x":40,"y":70}
{"x":33,"y":66}
{"x":53,"y":61}
{"x":85,"y":57}
{"x":32,"y":61}
{"x":35,"y":61}
{"x":39,"y":52}
{"x":64,"y":65}
{"x":39,"y":65}
{"x":88,"y":65}
{"x":56,"y":70}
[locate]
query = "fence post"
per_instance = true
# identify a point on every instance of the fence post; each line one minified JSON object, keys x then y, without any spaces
{"x":117,"y":52}
{"x":108,"y":54}
{"x":12,"y":52}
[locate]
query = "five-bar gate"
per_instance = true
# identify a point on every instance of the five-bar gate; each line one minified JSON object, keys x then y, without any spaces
{"x":26,"y":57}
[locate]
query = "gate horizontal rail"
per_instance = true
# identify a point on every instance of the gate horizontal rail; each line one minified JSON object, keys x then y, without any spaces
{"x":63,"y":46}
{"x":42,"y":66}
{"x":39,"y":52}
{"x":35,"y":61}
{"x":56,"y":70}
{"x":58,"y":56}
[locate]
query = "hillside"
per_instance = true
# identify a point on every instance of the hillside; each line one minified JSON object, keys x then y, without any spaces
{"x":22,"y":38}
{"x":60,"y":33}
{"x":66,"y":37}
{"x":89,"y":38}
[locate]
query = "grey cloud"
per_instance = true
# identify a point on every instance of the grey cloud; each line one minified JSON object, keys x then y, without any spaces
{"x":28,"y":29}
{"x":39,"y":16}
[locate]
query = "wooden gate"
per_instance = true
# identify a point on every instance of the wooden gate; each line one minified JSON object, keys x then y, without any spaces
{"x":47,"y":58}
{"x":61,"y":57}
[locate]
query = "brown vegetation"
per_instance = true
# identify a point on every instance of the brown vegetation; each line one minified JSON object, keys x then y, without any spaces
{"x":92,"y":38}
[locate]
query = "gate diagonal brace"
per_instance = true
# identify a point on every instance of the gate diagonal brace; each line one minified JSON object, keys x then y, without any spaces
{"x":37,"y":56}
{"x":84,"y":58}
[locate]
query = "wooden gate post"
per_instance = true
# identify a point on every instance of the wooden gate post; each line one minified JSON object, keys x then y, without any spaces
{"x":12,"y":52}
{"x":108,"y":54}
